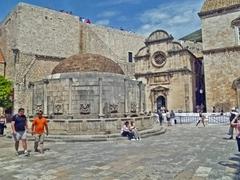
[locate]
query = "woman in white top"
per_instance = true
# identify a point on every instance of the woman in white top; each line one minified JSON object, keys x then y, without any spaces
{"x":125,"y":131}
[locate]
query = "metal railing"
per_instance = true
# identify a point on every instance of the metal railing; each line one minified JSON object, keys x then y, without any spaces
{"x":191,"y":118}
{"x":212,"y":119}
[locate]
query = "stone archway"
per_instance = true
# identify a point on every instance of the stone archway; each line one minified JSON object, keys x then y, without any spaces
{"x":159,"y":97}
{"x":161,"y":102}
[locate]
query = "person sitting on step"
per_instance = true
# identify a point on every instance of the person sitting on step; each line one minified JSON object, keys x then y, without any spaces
{"x":134,"y":130}
{"x":125,"y":131}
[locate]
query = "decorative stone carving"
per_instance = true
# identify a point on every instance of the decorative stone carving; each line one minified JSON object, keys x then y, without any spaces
{"x":133,"y":107}
{"x":85,"y":109}
{"x":38,"y":108}
{"x":159,"y":59}
{"x":165,"y":79}
{"x":58,"y":108}
{"x":113,"y":108}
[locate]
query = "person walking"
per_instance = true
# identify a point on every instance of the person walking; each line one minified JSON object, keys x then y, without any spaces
{"x":19,"y":127}
{"x":236,"y":124}
{"x":160,"y":116}
{"x":201,"y":119}
{"x":168,"y":117}
{"x":2,"y":124}
{"x":232,"y":116}
{"x":39,"y":126}
{"x":172,"y":117}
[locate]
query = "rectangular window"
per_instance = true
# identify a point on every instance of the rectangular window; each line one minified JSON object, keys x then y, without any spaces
{"x":130,"y":57}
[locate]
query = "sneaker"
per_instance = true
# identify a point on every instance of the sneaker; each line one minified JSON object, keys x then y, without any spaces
{"x":26,"y":153}
{"x":133,"y":139}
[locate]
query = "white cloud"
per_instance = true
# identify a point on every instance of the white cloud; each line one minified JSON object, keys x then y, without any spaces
{"x":178,"y":18}
{"x":104,"y":22}
{"x":107,"y":14}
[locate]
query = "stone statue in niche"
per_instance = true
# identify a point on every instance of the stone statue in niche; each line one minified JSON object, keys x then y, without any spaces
{"x":38,"y":108}
{"x":58,"y":108}
{"x":113,"y":108}
{"x":133,"y":107}
{"x":85,"y":109}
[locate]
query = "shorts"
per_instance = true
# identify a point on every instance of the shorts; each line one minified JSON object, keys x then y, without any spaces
{"x":39,"y":138}
{"x":20,"y":135}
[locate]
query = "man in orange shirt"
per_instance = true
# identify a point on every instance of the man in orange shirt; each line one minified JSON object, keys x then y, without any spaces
{"x":38,"y":125}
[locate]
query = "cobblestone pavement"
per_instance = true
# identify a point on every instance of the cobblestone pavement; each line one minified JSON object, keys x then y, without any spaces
{"x":183,"y":152}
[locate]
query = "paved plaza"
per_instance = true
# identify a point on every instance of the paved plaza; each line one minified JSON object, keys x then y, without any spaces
{"x":183,"y":152}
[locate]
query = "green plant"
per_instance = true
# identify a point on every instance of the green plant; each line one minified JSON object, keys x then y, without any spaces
{"x":5,"y":93}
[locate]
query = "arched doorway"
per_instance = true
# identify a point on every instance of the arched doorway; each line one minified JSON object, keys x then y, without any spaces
{"x":161,"y":102}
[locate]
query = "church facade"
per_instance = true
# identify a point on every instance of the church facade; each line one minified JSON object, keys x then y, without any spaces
{"x":171,"y":74}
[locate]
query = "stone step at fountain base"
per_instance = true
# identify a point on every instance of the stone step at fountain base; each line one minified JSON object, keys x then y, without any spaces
{"x":96,"y":138}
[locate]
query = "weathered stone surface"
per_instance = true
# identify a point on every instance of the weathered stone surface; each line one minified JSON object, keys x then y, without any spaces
{"x":168,"y":156}
{"x":77,"y":94}
{"x":35,"y":39}
{"x":221,"y":70}
{"x":174,"y":79}
{"x":221,"y":64}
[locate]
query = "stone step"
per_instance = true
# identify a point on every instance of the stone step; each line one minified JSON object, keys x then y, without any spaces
{"x":97,"y":138}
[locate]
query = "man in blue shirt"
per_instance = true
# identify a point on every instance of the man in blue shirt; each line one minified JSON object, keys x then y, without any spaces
{"x":19,"y":129}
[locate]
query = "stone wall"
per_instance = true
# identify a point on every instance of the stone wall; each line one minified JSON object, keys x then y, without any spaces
{"x":78,"y":95}
{"x":221,"y":65}
{"x":112,"y":43}
{"x":217,"y":31}
{"x":96,"y":126}
{"x":29,"y":68}
{"x":221,"y":69}
{"x":40,"y":31}
{"x":46,"y":32}
{"x":181,"y":95}
{"x":34,"y":39}
{"x":8,"y":34}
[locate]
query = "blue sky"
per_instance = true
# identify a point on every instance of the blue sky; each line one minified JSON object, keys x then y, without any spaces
{"x":178,"y":17}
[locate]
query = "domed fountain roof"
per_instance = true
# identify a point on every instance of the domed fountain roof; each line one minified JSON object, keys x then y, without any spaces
{"x":87,"y":63}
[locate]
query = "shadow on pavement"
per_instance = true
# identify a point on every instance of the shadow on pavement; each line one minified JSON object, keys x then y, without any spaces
{"x":234,"y":163}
